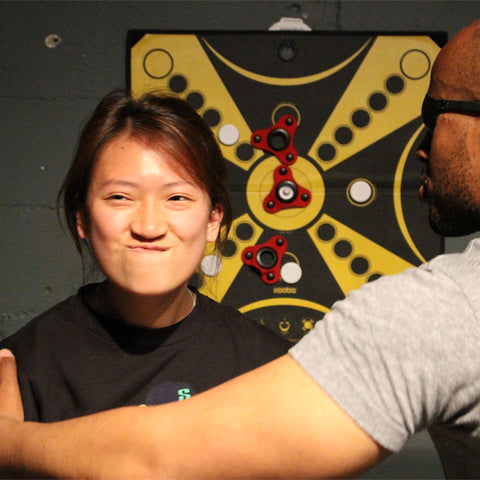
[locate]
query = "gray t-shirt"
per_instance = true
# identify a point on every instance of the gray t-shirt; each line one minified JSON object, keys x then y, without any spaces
{"x":403,"y":353}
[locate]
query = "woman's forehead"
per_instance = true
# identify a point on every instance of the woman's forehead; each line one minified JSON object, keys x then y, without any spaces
{"x":130,"y":156}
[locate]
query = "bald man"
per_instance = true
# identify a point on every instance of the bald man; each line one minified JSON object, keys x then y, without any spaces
{"x":397,"y":356}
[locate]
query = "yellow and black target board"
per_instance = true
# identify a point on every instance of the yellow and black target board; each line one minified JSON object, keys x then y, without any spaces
{"x":319,"y":131}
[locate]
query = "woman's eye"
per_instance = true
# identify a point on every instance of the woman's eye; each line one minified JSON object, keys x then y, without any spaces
{"x":117,"y":196}
{"x":178,"y":198}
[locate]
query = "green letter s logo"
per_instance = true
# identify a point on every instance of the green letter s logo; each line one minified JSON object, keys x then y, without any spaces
{"x":184,"y":393}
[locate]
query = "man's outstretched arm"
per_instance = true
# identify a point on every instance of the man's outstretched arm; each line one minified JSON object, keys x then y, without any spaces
{"x":272,"y":422}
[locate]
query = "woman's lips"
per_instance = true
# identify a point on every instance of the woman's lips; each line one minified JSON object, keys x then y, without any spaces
{"x":148,"y":248}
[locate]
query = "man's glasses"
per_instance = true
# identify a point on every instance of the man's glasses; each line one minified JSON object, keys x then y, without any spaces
{"x":432,"y":108}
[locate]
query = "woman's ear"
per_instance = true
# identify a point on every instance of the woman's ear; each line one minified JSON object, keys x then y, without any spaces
{"x":214,"y":223}
{"x":82,"y":228}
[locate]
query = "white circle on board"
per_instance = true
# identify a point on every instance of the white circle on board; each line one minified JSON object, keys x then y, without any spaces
{"x":291,"y":272}
{"x":361,"y":191}
{"x":211,"y":265}
{"x":228,"y":134}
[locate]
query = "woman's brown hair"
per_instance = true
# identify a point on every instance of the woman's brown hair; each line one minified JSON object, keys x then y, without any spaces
{"x":162,"y":120}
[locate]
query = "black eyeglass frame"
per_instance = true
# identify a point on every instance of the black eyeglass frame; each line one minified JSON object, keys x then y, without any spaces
{"x":432,"y":108}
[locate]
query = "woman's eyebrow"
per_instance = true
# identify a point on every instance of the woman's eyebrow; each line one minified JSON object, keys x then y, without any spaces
{"x":120,"y":182}
{"x":128,"y":183}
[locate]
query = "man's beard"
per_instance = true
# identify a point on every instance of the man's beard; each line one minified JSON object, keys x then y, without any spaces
{"x":453,"y":216}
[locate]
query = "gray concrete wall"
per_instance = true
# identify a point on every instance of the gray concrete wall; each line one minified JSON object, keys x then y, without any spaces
{"x":47,"y":93}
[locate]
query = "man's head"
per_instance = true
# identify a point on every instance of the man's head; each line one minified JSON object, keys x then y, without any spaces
{"x":451,"y":150}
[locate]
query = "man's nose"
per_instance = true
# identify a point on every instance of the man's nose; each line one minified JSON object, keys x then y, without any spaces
{"x":424,"y":148}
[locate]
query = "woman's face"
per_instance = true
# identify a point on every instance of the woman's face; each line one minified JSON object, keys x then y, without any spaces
{"x":148,"y":222}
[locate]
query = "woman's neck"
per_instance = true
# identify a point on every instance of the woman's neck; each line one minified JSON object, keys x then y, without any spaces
{"x":150,"y":311}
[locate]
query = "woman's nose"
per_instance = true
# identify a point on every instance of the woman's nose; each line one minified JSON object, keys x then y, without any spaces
{"x":149,"y":222}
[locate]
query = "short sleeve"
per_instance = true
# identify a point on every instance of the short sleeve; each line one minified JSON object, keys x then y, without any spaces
{"x":389,"y":353}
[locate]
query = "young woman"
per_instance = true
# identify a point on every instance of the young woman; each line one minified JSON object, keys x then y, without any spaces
{"x":145,"y":193}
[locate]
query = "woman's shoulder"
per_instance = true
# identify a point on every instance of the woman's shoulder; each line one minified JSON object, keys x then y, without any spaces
{"x":51,"y":321}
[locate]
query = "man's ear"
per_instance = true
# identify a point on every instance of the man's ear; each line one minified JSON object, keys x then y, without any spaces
{"x":214,"y":223}
{"x":82,"y":227}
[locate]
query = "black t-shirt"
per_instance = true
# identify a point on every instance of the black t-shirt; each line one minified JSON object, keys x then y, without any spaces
{"x":73,"y":361}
